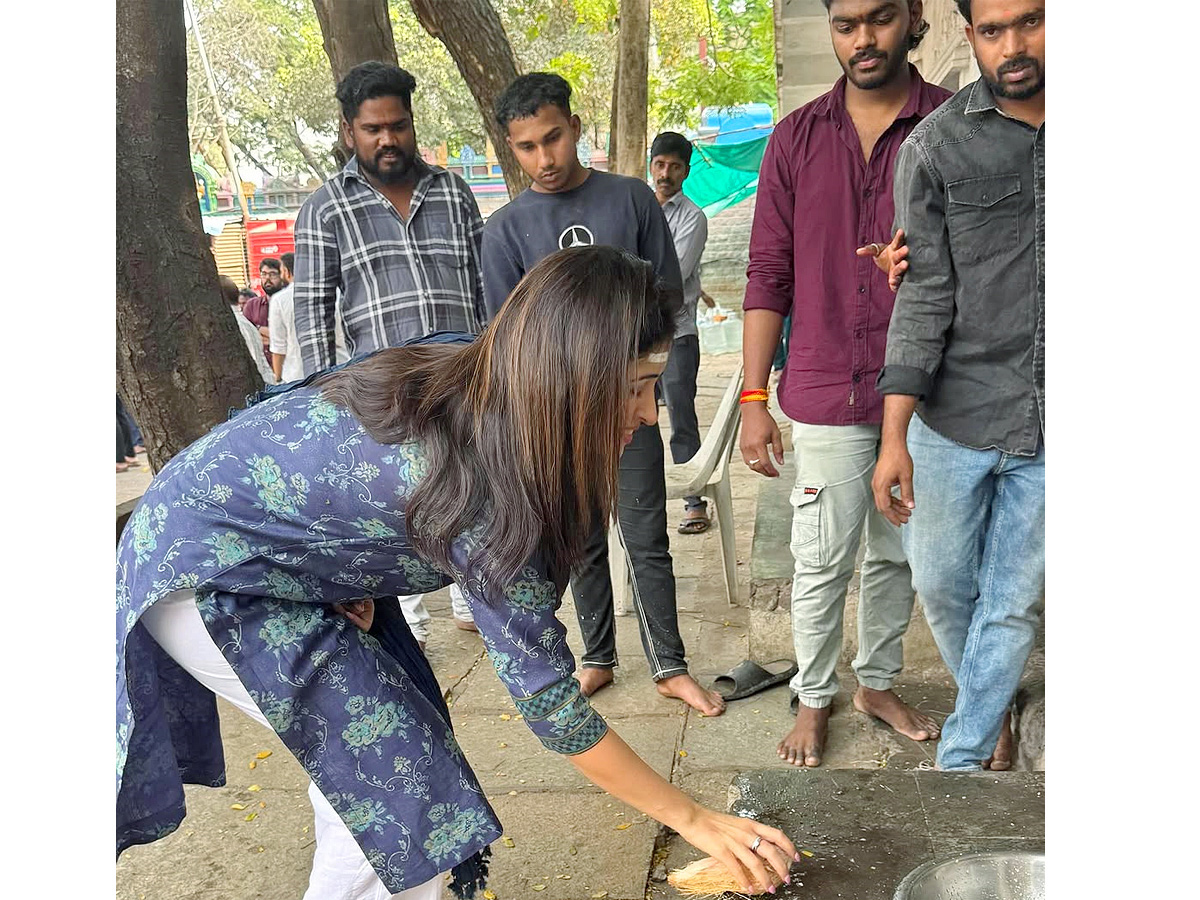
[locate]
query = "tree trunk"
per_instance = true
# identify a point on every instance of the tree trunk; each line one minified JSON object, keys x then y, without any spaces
{"x":474,"y":35}
{"x":631,"y":89}
{"x":355,"y":32}
{"x":310,"y":158}
{"x":614,"y":129}
{"x":181,"y":362}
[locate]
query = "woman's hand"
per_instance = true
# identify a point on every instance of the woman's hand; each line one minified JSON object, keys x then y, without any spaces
{"x":728,"y":839}
{"x":360,"y":612}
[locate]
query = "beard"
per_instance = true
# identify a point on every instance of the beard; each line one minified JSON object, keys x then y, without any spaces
{"x":396,"y":172}
{"x":884,"y":75}
{"x":1031,"y":87}
{"x":273,"y":288}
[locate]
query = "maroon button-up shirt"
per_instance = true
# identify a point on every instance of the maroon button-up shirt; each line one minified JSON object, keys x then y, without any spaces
{"x":817,"y":202}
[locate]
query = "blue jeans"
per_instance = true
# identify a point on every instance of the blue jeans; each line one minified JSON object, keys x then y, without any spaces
{"x":976,"y":543}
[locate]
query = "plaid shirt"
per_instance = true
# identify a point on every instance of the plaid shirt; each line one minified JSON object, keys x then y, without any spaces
{"x":397,"y":280}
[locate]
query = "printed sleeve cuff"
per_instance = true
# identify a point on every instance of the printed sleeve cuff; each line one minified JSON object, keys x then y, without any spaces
{"x":904,"y":380}
{"x":562,"y":718}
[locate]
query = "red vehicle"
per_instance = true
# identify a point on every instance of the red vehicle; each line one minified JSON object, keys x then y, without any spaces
{"x":268,"y":237}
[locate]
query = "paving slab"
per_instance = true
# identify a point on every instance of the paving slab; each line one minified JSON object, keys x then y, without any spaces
{"x":867,"y":829}
{"x":570,"y":833}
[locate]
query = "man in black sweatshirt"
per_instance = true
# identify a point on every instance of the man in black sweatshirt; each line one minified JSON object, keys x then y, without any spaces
{"x":569,"y":205}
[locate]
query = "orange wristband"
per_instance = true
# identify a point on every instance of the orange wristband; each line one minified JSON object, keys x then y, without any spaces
{"x":754,"y":396}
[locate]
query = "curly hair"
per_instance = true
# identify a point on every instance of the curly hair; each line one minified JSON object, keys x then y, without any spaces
{"x":914,"y":39}
{"x":526,"y":94}
{"x":372,"y":79}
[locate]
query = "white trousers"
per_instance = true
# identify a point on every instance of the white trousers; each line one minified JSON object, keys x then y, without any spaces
{"x":417,"y":616}
{"x":340,"y":871}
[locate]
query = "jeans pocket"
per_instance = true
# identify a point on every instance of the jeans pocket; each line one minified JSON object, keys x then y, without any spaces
{"x":808,"y":545}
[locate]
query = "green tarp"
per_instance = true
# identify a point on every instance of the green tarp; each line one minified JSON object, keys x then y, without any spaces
{"x":723,"y":174}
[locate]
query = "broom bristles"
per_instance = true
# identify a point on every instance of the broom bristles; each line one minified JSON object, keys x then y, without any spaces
{"x":708,"y":877}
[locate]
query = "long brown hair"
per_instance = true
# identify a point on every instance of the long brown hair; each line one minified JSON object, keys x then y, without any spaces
{"x":521,"y":429}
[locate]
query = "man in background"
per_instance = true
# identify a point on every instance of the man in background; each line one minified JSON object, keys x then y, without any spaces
{"x":670,"y":163}
{"x":390,"y":246}
{"x":569,"y":206}
{"x":966,"y":351}
{"x":286,"y":360}
{"x":825,"y":190}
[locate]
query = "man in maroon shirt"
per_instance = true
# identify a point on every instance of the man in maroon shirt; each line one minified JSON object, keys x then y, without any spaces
{"x":825,"y":190}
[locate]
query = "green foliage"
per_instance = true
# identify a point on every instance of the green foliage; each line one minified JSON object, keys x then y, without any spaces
{"x":741,"y":58}
{"x":274,"y":81}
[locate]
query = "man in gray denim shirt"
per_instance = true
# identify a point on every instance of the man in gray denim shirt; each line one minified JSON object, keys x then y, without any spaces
{"x":966,"y":351}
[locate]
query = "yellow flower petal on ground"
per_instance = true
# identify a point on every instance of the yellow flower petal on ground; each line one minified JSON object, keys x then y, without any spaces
{"x":262,"y":754}
{"x":807,"y":853}
{"x":489,"y":894}
{"x":253,"y":764}
{"x":623,"y":826}
{"x":238,"y":806}
{"x":508,"y":842}
{"x":504,"y":717}
{"x":254,"y":788}
{"x":250,"y":817}
{"x":538,"y":887}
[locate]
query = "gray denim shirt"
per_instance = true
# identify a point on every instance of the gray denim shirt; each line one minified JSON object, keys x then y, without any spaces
{"x":967,"y":334}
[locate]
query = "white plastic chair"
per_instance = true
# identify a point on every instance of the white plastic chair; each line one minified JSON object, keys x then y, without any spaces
{"x":705,"y":474}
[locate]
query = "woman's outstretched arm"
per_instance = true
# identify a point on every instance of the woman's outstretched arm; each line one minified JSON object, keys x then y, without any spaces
{"x":613,"y":766}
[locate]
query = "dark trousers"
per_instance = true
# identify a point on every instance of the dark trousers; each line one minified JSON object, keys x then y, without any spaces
{"x":135,"y":434}
{"x":642,"y":510}
{"x":124,"y":439}
{"x":679,"y":393}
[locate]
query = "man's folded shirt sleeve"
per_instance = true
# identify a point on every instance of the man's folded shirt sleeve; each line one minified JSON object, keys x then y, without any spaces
{"x":924,"y":305}
{"x":770,"y":274}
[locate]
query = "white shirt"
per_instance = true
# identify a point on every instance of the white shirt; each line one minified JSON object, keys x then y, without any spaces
{"x":254,"y":344}
{"x":281,"y":322}
{"x":689,"y":230}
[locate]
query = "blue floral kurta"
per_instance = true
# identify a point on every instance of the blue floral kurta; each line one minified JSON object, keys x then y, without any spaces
{"x":273,"y":516}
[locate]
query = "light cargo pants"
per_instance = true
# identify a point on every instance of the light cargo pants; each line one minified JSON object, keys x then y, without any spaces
{"x":831,"y":502}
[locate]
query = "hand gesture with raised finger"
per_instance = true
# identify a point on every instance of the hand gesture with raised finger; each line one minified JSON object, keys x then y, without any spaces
{"x":890,"y":258}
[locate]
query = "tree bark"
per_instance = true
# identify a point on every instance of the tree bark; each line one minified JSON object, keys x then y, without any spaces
{"x":355,"y":32}
{"x":614,"y":125}
{"x":474,"y":35}
{"x":631,"y":89}
{"x":181,"y":362}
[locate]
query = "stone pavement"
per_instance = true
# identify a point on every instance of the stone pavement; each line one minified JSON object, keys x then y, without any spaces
{"x":565,"y":839}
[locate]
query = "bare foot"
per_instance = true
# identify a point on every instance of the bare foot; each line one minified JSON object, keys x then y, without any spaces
{"x":804,"y":744}
{"x":891,"y":709}
{"x":465,"y":624}
{"x":592,"y":679}
{"x":421,"y":644}
{"x":1001,"y":758}
{"x":122,"y":467}
{"x":684,"y":687}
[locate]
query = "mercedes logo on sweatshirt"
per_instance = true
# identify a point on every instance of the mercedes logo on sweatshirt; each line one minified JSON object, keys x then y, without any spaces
{"x":576,"y":236}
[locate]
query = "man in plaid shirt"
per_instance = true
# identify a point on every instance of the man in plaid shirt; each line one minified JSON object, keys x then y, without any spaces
{"x":390,"y":244}
{"x":397,"y":238}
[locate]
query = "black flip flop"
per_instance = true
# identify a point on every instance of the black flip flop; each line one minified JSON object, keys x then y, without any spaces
{"x":748,"y":678}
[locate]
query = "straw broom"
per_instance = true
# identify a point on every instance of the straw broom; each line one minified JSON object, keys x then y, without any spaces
{"x":709,"y":878}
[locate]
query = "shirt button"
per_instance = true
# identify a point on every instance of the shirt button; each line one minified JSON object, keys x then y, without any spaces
{"x":861,"y":289}
{"x":857,"y":378}
{"x":858,"y":334}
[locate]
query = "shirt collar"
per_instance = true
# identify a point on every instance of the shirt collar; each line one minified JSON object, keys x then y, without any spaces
{"x":921,"y":100}
{"x":675,"y":200}
{"x":980,"y":99}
